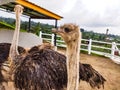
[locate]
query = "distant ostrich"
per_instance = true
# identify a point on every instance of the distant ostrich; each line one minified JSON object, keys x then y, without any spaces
{"x":42,"y":68}
{"x":36,"y":70}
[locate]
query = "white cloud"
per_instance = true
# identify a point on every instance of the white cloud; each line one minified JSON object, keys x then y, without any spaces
{"x":52,"y":5}
{"x":97,"y":15}
{"x":96,"y":18}
{"x":68,"y":5}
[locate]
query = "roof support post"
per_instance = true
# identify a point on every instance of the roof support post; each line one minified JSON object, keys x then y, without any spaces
{"x":29,"y":25}
{"x":55,"y":36}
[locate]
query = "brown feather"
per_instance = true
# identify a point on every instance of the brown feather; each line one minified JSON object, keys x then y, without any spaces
{"x":45,"y":69}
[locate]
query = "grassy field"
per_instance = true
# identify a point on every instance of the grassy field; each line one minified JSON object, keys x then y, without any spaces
{"x":4,"y":25}
{"x":7,"y":26}
{"x":106,"y":67}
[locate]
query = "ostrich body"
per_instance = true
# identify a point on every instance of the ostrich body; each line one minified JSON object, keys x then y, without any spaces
{"x":39,"y":68}
{"x":46,"y":57}
{"x":34,"y":70}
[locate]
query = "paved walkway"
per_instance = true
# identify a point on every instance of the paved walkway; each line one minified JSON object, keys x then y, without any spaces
{"x":26,"y":40}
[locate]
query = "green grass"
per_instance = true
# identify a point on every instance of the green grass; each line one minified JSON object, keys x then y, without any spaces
{"x":8,"y":26}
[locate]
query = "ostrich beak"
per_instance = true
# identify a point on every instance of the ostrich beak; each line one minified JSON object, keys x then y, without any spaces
{"x":57,"y":30}
{"x":54,"y":30}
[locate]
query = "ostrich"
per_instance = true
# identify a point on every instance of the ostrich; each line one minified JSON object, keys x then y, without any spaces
{"x":41,"y":68}
{"x":87,"y":73}
{"x":34,"y":70}
{"x":71,"y":35}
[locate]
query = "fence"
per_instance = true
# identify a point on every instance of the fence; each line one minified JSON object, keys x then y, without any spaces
{"x":107,"y":49}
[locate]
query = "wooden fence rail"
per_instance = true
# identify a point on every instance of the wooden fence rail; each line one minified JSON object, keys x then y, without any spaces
{"x":107,"y":49}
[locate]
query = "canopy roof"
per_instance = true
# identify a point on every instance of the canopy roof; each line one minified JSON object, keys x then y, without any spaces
{"x":30,"y":9}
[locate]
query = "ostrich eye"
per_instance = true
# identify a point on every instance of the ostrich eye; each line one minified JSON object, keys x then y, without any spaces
{"x":67,"y":30}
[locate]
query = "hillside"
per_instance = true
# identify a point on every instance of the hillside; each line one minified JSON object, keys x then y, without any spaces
{"x":36,"y":27}
{"x":6,"y":26}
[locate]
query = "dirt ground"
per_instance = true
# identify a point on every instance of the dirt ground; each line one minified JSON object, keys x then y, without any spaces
{"x":106,"y":67}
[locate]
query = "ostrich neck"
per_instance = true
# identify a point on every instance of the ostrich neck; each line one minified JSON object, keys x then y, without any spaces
{"x":73,"y":50}
{"x":14,"y":44}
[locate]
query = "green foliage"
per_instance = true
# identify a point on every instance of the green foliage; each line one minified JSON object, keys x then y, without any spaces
{"x":5,"y":25}
{"x":36,"y":27}
{"x":100,"y":36}
{"x":45,"y":28}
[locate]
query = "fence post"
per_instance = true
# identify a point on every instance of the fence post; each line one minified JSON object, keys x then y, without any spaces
{"x":52,"y":42}
{"x":89,"y":46}
{"x":40,"y":34}
{"x":52,"y":39}
{"x":113,"y":49}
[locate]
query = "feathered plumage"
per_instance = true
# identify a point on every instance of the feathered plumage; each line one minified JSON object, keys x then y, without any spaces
{"x":45,"y":69}
{"x":41,"y":71}
{"x":4,"y":51}
{"x":90,"y":75}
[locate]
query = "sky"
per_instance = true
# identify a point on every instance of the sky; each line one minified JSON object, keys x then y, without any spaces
{"x":92,"y":15}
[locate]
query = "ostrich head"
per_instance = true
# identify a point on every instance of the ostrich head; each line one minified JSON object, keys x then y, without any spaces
{"x":18,"y":9}
{"x":68,"y":32}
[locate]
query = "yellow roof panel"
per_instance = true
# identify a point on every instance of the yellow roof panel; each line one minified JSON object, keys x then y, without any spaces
{"x":30,"y":9}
